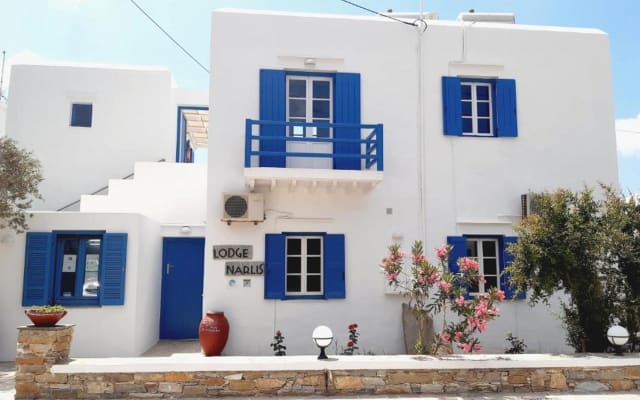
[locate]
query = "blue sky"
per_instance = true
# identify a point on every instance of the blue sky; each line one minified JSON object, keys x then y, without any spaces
{"x":115,"y":32}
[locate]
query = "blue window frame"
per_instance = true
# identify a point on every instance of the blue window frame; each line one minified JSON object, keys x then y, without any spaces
{"x":74,"y":268}
{"x":81,"y":115}
{"x":304,"y":266}
{"x":491,"y":253}
{"x":479,"y":107}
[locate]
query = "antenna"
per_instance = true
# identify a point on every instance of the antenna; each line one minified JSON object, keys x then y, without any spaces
{"x":2,"y":74}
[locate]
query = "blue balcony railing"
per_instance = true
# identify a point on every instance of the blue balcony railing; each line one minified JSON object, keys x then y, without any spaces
{"x":353,"y":146}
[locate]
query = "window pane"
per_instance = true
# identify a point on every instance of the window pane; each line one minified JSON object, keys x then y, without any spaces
{"x":482,"y":92}
{"x":466,"y":108}
{"x":293,"y":283}
{"x":471,"y":248}
{"x":313,"y":283}
{"x":321,"y":109}
{"x":313,"y":246}
{"x":491,"y":282}
{"x":489,"y":249}
{"x":466,"y":92}
{"x":293,"y":246}
{"x":484,"y":125}
{"x":81,"y":115}
{"x":313,"y":265}
{"x":293,"y":265}
{"x":483,"y":109}
{"x":297,"y":108}
{"x":490,"y":266}
{"x":91,"y":267}
{"x":467,"y":125}
{"x":473,"y":288}
{"x":69,"y":267}
{"x":297,"y":88}
{"x":321,"y":90}
{"x":297,"y":131}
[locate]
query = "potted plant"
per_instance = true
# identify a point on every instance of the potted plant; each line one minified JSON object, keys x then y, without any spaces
{"x":45,"y":315}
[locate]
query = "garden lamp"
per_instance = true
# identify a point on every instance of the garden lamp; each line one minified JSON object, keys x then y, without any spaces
{"x":322,"y":337}
{"x":618,"y":336}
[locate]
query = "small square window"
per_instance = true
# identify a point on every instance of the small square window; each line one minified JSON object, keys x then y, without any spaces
{"x":81,"y":115}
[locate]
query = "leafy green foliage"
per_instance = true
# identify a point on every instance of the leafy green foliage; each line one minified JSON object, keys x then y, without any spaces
{"x":19,"y":179}
{"x":55,"y":309}
{"x":279,"y":349}
{"x":516,"y":345}
{"x":588,"y":248}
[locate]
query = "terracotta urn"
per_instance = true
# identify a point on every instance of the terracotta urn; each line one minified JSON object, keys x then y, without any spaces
{"x":45,"y":319}
{"x":213,"y":333}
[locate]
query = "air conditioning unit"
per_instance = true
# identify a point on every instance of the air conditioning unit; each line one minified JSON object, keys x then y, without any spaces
{"x":243,"y":207}
{"x":530,"y":204}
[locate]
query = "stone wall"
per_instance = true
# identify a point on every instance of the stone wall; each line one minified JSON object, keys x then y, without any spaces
{"x":38,"y":349}
{"x":351,"y":382}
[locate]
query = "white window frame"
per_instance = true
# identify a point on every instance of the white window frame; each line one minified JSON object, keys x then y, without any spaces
{"x":303,"y":266}
{"x":311,"y":131}
{"x":474,"y":109}
{"x":480,"y":259}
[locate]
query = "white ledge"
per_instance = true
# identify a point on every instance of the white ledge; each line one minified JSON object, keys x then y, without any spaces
{"x":292,"y":176}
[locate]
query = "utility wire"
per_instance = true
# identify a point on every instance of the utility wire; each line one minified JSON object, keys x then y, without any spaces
{"x":377,"y":13}
{"x":169,"y":36}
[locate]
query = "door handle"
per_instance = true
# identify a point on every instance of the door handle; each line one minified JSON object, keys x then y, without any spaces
{"x":168,"y":268}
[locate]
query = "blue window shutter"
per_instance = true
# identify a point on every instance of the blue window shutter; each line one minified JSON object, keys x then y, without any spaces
{"x":113,"y":269}
{"x":505,"y":261}
{"x":334,"y":261}
{"x":459,"y":250}
{"x":347,"y":110}
{"x":273,"y":108}
{"x":506,"y":108}
{"x":452,"y":106}
{"x":38,"y":268}
{"x":274,"y":266}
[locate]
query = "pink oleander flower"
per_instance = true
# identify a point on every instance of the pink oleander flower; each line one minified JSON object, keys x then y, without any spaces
{"x":350,"y":344}
{"x":392,"y":276}
{"x":418,"y":258}
{"x":500,"y":295}
{"x":467,"y":264}
{"x":446,"y":286}
{"x":433,"y":277}
{"x":467,"y":347}
{"x":421,"y":281}
{"x":481,"y":279}
{"x":445,"y":337}
{"x":460,"y":301}
{"x":402,"y":254}
{"x":442,"y":251}
{"x":459,"y":335}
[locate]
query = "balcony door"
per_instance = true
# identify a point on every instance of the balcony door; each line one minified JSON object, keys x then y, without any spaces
{"x":309,"y":99}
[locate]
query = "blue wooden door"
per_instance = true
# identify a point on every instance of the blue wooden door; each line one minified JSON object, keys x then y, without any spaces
{"x":182,"y":276}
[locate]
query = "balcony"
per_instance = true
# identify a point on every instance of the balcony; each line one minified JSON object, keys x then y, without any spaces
{"x":313,"y":154}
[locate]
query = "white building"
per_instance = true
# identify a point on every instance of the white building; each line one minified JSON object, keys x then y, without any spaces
{"x":344,"y":134}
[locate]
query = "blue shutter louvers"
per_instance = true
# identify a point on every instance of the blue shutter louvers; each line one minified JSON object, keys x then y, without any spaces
{"x":459,"y":250}
{"x":274,"y":274}
{"x":334,"y":267}
{"x":452,"y":106}
{"x":113,"y":269}
{"x":273,"y":108}
{"x":506,"y":113}
{"x":347,"y":110}
{"x":36,"y":289}
{"x":506,"y":259}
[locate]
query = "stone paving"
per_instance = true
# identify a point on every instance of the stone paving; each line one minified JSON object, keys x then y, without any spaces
{"x":7,"y":380}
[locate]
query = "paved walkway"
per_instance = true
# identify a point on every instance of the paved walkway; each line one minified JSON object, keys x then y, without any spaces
{"x":7,"y":380}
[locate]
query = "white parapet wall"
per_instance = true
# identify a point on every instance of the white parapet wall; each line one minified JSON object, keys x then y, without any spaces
{"x":433,"y":185}
{"x":126,"y":330}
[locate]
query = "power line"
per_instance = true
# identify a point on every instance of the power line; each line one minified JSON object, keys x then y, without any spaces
{"x":169,"y":36}
{"x":377,"y":13}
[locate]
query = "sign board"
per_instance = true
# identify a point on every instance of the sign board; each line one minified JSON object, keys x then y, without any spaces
{"x":69,"y":263}
{"x":232,"y":252}
{"x":244,"y":268}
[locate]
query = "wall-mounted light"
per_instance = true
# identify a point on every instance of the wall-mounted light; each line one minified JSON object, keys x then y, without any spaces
{"x":309,"y":62}
{"x":185,"y":230}
{"x":322,"y":337}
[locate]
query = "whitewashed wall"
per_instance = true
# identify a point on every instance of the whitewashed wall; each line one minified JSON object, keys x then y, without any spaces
{"x":132,"y":121}
{"x":469,"y":185}
{"x":170,"y":193}
{"x":3,"y":118}
{"x":126,"y":330}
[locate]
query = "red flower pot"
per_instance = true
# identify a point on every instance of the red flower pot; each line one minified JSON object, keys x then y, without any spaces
{"x":44,"y":319}
{"x":213,"y":333}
